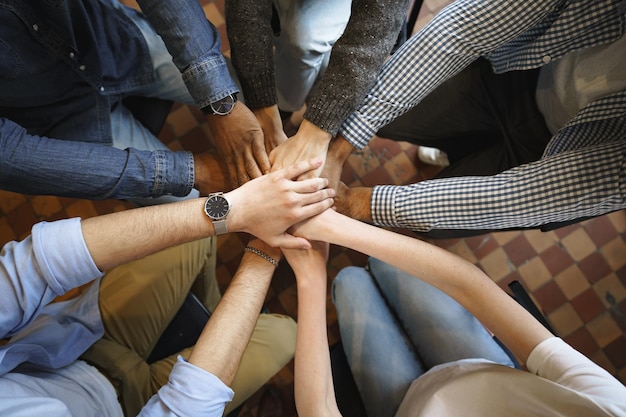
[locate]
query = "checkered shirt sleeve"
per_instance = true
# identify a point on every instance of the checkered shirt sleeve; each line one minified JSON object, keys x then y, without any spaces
{"x":512,"y":34}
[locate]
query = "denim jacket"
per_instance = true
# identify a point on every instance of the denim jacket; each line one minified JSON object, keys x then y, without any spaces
{"x":63,"y":63}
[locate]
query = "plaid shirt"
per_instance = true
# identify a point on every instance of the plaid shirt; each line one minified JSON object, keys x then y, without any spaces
{"x":583,"y":170}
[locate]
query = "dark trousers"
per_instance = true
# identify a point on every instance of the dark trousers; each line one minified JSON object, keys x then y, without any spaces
{"x":485,"y":122}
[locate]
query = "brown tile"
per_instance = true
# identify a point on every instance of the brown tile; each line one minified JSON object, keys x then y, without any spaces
{"x":486,"y":246}
{"x":6,"y":232}
{"x":610,"y":290}
{"x":534,"y":273}
{"x":519,"y":250}
{"x":549,"y":297}
{"x":600,"y":230}
{"x":565,"y":320}
{"x":595,"y":267}
{"x":400,"y":169}
{"x":377,"y":176}
{"x":604,"y":330}
{"x":556,"y":259}
{"x":616,"y":352}
{"x":562,"y":232}
{"x":22,"y":219}
{"x":496,"y":264}
{"x":582,"y":341}
{"x":615,"y":252}
{"x":588,"y":305}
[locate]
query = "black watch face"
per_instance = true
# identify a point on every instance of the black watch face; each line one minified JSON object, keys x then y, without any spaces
{"x":216,"y":207}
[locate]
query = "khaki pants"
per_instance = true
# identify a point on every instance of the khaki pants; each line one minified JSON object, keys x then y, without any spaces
{"x":137,"y":302}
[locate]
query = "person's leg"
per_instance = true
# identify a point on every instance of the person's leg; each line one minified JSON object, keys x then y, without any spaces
{"x":381,"y":357}
{"x":138,"y":300}
{"x":271,"y":347}
{"x":308,"y":31}
{"x":440,"y":328}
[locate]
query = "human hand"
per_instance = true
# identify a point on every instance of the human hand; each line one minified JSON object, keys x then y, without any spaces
{"x":354,"y":202}
{"x":240,"y":143}
{"x":309,"y":142}
{"x":210,"y":173}
{"x":267,"y":206}
{"x":308,"y":264}
{"x":272,"y":126}
{"x":338,"y":152}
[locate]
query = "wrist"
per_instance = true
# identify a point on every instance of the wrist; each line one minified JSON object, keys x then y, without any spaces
{"x":317,"y":134}
{"x":340,"y":148}
{"x":359,"y":202}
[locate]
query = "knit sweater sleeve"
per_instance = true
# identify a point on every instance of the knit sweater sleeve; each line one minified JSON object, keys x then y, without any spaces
{"x":355,"y":61}
{"x":249,"y":29}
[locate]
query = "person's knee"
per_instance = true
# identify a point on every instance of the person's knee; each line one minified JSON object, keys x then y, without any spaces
{"x":346,"y":281}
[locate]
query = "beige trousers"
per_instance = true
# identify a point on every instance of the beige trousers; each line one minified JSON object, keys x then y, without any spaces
{"x":137,"y":302}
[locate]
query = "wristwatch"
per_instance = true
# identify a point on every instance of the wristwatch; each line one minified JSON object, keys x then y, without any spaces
{"x":222,"y":106}
{"x":217,"y":208}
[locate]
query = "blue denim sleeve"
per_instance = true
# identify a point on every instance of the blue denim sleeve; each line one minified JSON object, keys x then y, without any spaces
{"x":192,"y":392}
{"x":39,"y":165}
{"x":195,"y":46}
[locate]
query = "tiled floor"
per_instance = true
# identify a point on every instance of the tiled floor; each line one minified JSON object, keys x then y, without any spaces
{"x":576,"y":274}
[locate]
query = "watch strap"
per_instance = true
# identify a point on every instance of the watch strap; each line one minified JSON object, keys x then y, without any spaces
{"x":220,"y":227}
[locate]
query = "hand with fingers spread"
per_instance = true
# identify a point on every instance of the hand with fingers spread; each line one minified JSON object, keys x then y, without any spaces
{"x":239,"y":141}
{"x":267,"y":206}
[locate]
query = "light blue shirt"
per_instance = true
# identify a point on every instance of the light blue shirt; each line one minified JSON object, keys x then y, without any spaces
{"x":39,"y":371}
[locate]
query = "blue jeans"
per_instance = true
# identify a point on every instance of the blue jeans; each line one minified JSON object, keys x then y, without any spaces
{"x":394,"y":327}
{"x":308,"y":31}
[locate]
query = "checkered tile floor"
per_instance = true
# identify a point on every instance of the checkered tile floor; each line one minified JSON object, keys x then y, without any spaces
{"x":576,"y":274}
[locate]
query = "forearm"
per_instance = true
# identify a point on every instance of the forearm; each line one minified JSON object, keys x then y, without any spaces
{"x":355,"y":61}
{"x":458,"y":278}
{"x":225,"y":337}
{"x":117,"y":238}
{"x":93,"y":172}
{"x":563,"y":187}
{"x":313,"y":383}
{"x":195,"y":46}
{"x":248,"y":24}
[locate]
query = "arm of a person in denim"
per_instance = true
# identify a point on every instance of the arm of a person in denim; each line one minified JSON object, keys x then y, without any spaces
{"x":203,"y":380}
{"x":195,"y":46}
{"x":130,"y":173}
{"x":313,"y":381}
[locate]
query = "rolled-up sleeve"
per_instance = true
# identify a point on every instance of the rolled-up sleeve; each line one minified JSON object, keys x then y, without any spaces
{"x":191,"y":392}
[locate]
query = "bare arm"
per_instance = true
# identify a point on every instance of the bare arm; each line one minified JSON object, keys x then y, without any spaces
{"x":265,"y":208}
{"x":225,"y":337}
{"x":313,"y":382}
{"x":464,"y":282}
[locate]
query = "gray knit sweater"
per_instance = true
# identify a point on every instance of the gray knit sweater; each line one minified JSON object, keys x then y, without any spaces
{"x":354,"y":64}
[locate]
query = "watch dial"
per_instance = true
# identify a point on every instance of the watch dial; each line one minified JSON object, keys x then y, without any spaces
{"x":216,"y":207}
